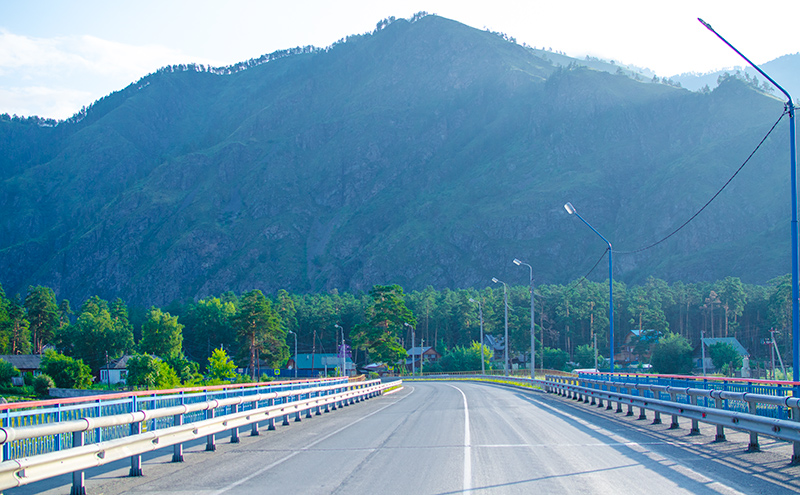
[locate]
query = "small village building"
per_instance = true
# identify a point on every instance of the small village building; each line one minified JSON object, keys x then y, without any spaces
{"x":115,"y":371}
{"x":312,"y":365}
{"x":421,"y":355}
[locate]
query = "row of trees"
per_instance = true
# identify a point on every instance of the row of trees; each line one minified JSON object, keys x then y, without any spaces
{"x":252,"y":327}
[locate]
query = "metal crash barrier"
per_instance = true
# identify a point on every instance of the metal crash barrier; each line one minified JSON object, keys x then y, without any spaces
{"x":240,"y":410}
{"x":762,"y":416}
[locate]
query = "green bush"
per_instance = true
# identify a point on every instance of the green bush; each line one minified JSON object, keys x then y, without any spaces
{"x":65,"y":371}
{"x":42,"y":385}
{"x":555,"y":359}
{"x":7,"y":372}
{"x":672,"y":355}
{"x":725,"y":357}
{"x":150,"y":372}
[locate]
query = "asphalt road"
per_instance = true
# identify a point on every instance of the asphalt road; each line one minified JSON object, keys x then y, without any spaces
{"x":453,"y":437}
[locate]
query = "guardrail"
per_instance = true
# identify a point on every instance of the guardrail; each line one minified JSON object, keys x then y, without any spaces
{"x":495,"y":373}
{"x":748,"y":385}
{"x":240,"y":410}
{"x":21,"y":414}
{"x":693,"y":403}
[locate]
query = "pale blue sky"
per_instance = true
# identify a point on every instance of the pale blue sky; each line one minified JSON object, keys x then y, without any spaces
{"x":56,"y":56}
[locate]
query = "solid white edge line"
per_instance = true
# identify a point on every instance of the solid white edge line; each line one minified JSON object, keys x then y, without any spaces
{"x":467,"y":447}
{"x":281,"y":461}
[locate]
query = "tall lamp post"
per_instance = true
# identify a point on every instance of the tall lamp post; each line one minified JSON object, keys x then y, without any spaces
{"x":793,"y":160}
{"x":480,"y":312}
{"x":533,"y":326}
{"x":295,"y":353}
{"x":413,"y":362}
{"x":341,"y":349}
{"x":571,"y":210}
{"x":505,"y":343}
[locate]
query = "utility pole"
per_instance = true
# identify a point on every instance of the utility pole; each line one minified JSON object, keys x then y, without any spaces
{"x":313,"y":351}
{"x":421,"y":360}
{"x":703,"y":349}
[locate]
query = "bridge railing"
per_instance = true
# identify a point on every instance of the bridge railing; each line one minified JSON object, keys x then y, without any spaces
{"x":749,"y":385}
{"x":735,"y":385}
{"x":771,"y":415}
{"x":241,"y":409}
{"x":22,"y":414}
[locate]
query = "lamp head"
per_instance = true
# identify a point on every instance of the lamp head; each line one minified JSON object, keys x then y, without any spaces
{"x":494,"y":280}
{"x":517,"y":262}
{"x":707,"y":25}
{"x":570,"y":209}
{"x":471,"y":300}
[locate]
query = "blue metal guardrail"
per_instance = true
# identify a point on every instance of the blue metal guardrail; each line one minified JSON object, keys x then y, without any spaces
{"x":763,"y":387}
{"x":14,"y":415}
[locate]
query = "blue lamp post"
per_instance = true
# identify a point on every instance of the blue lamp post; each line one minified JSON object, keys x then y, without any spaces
{"x":793,"y":159}
{"x":571,"y":210}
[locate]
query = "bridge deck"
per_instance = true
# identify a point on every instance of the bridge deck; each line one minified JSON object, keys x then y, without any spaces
{"x":415,"y":441}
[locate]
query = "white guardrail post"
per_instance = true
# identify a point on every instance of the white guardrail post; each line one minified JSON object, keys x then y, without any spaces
{"x":78,"y":485}
{"x":177,"y":420}
{"x":752,"y":409}
{"x":211,"y":440}
{"x":795,"y":445}
{"x":135,"y":429}
{"x":718,"y":403}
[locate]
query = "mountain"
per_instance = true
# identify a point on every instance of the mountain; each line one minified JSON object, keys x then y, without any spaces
{"x":784,"y":70}
{"x":425,"y":153}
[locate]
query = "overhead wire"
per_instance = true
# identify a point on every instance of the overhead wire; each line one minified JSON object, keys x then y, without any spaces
{"x":786,"y":111}
{"x":585,"y":277}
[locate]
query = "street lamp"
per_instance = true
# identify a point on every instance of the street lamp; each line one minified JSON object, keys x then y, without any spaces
{"x":341,"y":349}
{"x":480,"y":311}
{"x":533,"y":331}
{"x":505,"y":300}
{"x":295,"y":353}
{"x":571,"y":210}
{"x":413,"y":363}
{"x":793,"y":160}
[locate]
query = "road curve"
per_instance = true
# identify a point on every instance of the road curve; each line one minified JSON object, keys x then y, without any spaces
{"x":444,"y":438}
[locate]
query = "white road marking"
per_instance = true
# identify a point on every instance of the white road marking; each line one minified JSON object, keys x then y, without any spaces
{"x":467,"y":449}
{"x":307,"y":447}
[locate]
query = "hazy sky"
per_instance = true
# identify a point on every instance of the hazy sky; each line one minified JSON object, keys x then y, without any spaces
{"x":56,"y":56}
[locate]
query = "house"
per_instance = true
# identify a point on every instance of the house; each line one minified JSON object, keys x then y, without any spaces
{"x":25,"y":363}
{"x":711,"y":341}
{"x":637,"y":346}
{"x":322,"y":364}
{"x":421,"y":355}
{"x":115,"y":371}
{"x":497,"y":345}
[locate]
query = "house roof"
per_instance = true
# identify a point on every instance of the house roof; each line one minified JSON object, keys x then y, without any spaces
{"x":416,"y":351}
{"x":494,"y":343}
{"x":728,"y":340}
{"x":118,"y":364}
{"x":23,"y":361}
{"x":320,"y":361}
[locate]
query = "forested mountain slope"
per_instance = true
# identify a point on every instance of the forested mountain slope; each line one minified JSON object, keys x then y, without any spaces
{"x":426,"y":153}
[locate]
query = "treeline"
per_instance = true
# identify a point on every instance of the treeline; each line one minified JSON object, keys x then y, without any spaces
{"x":567,"y":318}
